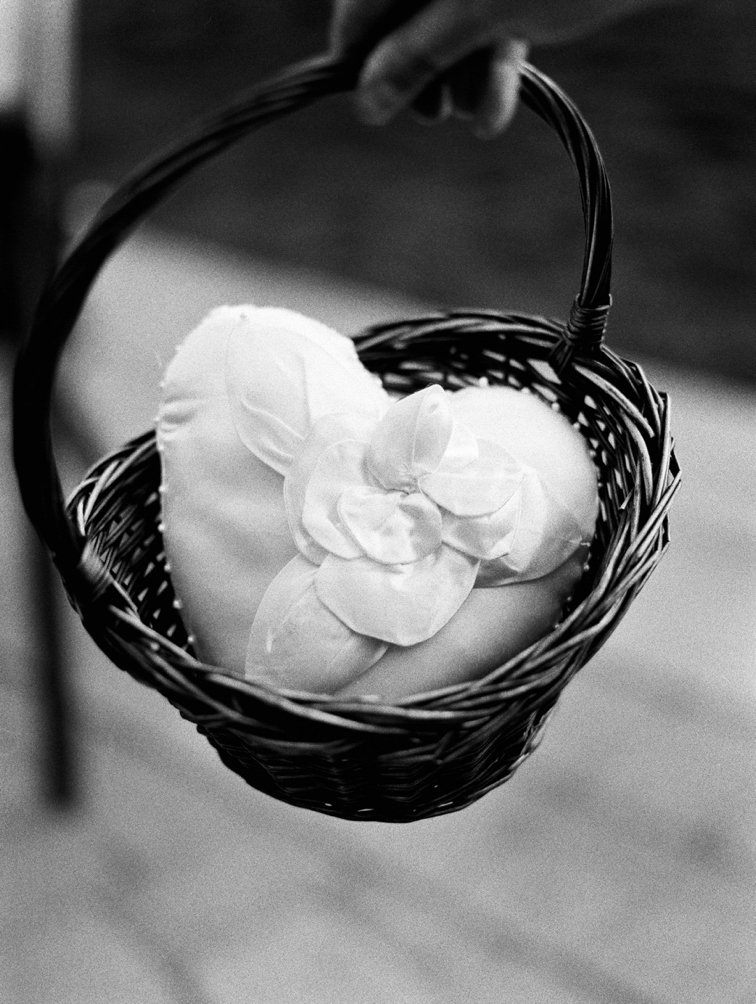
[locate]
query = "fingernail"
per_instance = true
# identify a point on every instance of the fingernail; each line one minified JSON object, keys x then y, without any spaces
{"x":377,"y":104}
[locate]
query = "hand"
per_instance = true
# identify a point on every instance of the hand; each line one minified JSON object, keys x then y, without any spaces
{"x":456,"y":57}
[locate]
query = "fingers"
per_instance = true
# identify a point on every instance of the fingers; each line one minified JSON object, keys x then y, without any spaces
{"x":357,"y":26}
{"x":413,"y":56}
{"x":498,"y":102}
{"x":434,"y":103}
{"x":458,"y":57}
{"x":482,"y":88}
{"x":441,"y":62}
{"x":469,"y":80}
{"x":353,"y":21}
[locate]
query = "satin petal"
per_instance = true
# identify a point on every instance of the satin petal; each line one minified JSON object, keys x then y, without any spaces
{"x":391,"y":527}
{"x":484,"y":537}
{"x":547,"y":535}
{"x":490,"y":627}
{"x":400,"y":604}
{"x":283,"y":372}
{"x":296,"y":641}
{"x":540,"y":438}
{"x":462,"y":448}
{"x":411,"y":439}
{"x":325,"y":433}
{"x":339,"y":467}
{"x":480,"y":487}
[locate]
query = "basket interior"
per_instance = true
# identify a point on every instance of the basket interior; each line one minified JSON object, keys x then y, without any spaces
{"x":435,"y":752}
{"x":117,"y":508}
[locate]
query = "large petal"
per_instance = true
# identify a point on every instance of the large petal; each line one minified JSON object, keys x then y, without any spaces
{"x":490,"y":627}
{"x":462,"y":449}
{"x":296,"y":642}
{"x":411,"y":439}
{"x":391,"y":527}
{"x":547,"y":534}
{"x":401,"y":604}
{"x":538,"y":437}
{"x":283,"y":372}
{"x":478,"y":488}
{"x":326,"y":432}
{"x":484,"y":537}
{"x":338,"y":468}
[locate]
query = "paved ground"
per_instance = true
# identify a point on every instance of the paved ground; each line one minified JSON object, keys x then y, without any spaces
{"x":669,"y":93}
{"x":617,"y":867}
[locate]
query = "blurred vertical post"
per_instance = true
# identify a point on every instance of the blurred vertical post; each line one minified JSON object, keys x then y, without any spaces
{"x":37,"y":56}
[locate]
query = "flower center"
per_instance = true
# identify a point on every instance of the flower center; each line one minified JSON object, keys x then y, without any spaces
{"x":393,"y":528}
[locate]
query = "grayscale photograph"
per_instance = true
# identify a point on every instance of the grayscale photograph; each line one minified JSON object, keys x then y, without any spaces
{"x":377,"y":526}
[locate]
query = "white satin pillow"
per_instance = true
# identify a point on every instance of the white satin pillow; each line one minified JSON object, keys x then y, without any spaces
{"x":330,"y":540}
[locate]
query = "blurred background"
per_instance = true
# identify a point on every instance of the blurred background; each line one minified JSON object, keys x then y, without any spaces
{"x":669,"y":93}
{"x":618,"y":866}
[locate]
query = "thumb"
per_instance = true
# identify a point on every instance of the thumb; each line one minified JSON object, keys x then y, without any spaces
{"x":414,"y":55}
{"x":499,"y":103}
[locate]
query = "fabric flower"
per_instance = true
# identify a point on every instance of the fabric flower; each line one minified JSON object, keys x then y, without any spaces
{"x":399,"y":514}
{"x":398,"y":519}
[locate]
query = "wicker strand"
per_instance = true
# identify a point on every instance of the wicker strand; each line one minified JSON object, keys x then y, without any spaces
{"x":582,"y":335}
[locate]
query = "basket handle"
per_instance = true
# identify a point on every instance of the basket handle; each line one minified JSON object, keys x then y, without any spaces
{"x":295,"y":88}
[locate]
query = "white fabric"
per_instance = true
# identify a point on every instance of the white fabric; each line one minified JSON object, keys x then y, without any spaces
{"x":397,"y":509}
{"x":296,"y":642}
{"x":226,"y":531}
{"x":491,"y":626}
{"x":539,"y":437}
{"x":403,"y":604}
{"x":283,"y":372}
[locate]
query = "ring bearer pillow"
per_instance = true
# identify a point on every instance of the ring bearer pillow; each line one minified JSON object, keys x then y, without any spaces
{"x":324,"y":536}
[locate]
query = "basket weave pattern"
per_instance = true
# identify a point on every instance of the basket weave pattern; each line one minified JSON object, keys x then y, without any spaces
{"x":433,"y":752}
{"x":359,"y":759}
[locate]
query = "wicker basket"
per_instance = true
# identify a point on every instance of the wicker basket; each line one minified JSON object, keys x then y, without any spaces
{"x":360,"y":759}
